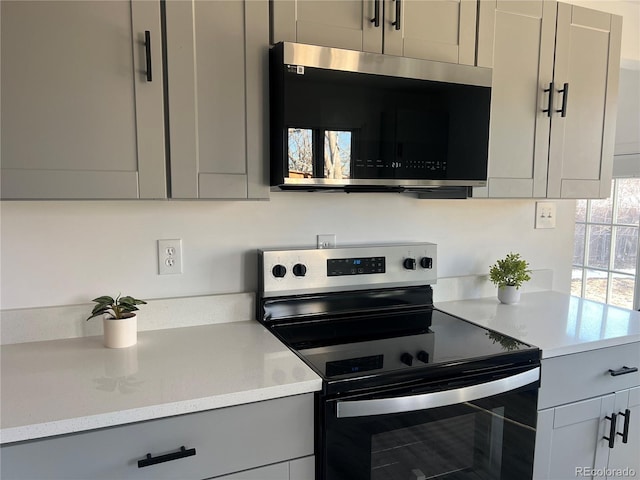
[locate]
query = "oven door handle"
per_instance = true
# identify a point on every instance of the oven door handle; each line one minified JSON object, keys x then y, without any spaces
{"x":410,"y":403}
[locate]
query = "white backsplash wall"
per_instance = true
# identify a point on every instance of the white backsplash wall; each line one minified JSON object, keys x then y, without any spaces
{"x":61,"y":253}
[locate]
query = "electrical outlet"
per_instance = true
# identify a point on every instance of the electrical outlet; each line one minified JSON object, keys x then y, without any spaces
{"x":545,"y":215}
{"x":327,"y":241}
{"x":169,"y":256}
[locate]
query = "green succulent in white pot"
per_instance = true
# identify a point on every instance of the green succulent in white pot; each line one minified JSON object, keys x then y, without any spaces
{"x":118,"y":319}
{"x":508,"y":274}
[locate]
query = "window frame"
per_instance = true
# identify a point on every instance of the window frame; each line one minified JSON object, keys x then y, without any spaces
{"x":610,"y":270}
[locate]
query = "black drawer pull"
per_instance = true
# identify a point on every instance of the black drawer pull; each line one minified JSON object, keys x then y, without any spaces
{"x":612,"y":431}
{"x":625,"y":430}
{"x":565,"y":97}
{"x":376,"y":17}
{"x":549,"y":108}
{"x":622,"y":371}
{"x":396,"y":24}
{"x":166,"y":458}
{"x":147,"y":49}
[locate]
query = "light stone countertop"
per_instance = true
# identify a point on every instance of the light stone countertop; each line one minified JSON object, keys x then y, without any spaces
{"x":64,"y":386}
{"x":557,"y":323}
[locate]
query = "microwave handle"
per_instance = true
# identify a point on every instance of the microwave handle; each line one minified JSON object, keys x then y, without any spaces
{"x":410,"y":403}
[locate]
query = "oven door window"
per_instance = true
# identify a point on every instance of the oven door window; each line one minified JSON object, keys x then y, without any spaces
{"x":491,"y":438}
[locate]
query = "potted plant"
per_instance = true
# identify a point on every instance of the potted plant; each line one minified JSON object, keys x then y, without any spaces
{"x":118,"y":319}
{"x":509,"y":274}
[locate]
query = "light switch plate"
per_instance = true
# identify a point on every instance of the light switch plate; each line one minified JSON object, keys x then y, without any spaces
{"x":545,"y":215}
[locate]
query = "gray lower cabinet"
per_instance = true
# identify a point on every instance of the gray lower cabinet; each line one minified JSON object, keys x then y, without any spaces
{"x":299,"y":469}
{"x":437,"y":30}
{"x":80,"y":117}
{"x":555,"y":84}
{"x":581,"y":403}
{"x":273,"y":437}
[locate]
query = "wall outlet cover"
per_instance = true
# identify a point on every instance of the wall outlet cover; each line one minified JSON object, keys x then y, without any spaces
{"x":170,"y":256}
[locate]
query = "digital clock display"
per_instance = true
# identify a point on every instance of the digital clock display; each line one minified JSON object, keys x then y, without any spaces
{"x":337,"y":267}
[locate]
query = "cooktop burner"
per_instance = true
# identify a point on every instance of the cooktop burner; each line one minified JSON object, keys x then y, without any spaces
{"x":352,"y":347}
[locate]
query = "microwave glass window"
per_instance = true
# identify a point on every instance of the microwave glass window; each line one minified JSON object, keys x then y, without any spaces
{"x":380,"y":127}
{"x":300,"y":153}
{"x":337,"y":154}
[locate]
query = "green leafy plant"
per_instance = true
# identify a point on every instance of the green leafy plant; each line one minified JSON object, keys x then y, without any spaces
{"x":510,"y":271}
{"x":120,"y":307}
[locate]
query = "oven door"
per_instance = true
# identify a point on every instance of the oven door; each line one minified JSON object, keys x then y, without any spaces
{"x":479,"y":430}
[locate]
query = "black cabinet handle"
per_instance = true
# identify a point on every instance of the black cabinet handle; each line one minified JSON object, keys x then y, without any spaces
{"x":376,"y":13}
{"x":622,"y":371}
{"x":625,"y":430}
{"x":147,"y":48}
{"x":397,"y":22}
{"x":182,"y":453}
{"x":565,"y":96}
{"x":612,"y":431}
{"x":549,"y":109}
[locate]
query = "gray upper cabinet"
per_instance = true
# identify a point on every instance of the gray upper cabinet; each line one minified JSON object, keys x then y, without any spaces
{"x":546,"y":141}
{"x":80,"y":119}
{"x":441,"y":30}
{"x":217,"y":63}
{"x":517,"y":40}
{"x":587,"y":62}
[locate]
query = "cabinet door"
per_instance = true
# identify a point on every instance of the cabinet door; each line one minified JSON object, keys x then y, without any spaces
{"x":349,"y":24}
{"x":217,"y":64}
{"x":587,"y":60}
{"x":516,"y":39}
{"x":80,"y":119}
{"x":440,"y":30}
{"x":299,"y":469}
{"x":571,"y":437}
{"x":625,"y":455}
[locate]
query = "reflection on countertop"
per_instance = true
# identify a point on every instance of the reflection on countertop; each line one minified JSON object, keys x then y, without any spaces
{"x":559,"y":324}
{"x":63,"y":386}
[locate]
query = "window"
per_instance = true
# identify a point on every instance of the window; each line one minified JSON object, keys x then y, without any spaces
{"x":606,"y":246}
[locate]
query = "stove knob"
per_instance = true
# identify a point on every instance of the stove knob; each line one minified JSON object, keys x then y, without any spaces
{"x":426,"y":262}
{"x":409,"y":263}
{"x":279,"y":271}
{"x":423,"y":356}
{"x":299,"y":270}
{"x":407,"y":359}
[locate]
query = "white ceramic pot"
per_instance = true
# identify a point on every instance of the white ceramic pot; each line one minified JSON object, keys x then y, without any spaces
{"x":120,"y":333}
{"x":508,"y":294}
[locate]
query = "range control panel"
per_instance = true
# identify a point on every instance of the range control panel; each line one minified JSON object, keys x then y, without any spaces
{"x":300,"y":271}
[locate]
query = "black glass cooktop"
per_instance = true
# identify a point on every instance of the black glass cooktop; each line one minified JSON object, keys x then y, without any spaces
{"x":392,"y":342}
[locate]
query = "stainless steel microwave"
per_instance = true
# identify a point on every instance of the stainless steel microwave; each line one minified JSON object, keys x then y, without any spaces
{"x":357,"y":121}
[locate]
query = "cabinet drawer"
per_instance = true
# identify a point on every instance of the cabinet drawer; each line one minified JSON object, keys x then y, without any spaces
{"x":570,"y":378}
{"x":226,"y":440}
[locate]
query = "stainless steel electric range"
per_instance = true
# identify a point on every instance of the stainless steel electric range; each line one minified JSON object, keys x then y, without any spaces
{"x":409,"y":391}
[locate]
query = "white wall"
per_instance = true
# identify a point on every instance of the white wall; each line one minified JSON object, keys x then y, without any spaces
{"x":59,"y":253}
